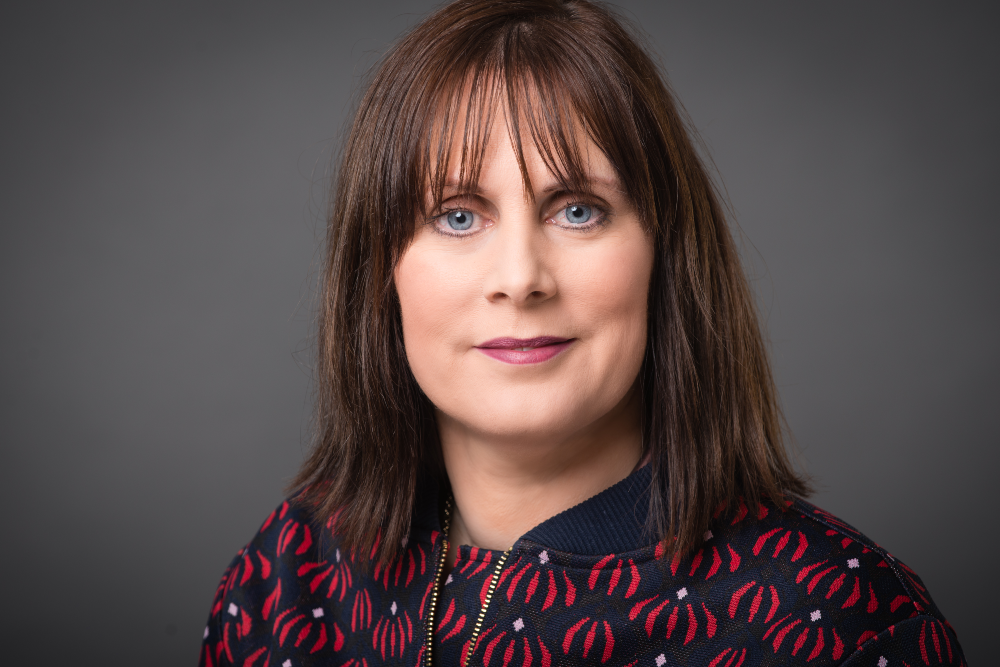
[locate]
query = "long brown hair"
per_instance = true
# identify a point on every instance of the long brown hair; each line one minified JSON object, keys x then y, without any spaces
{"x":711,"y":423}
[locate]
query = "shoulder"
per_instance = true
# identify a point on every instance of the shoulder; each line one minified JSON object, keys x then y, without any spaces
{"x":888,"y":570}
{"x":289,"y":539}
{"x":803,"y":569}
{"x":259,"y":589}
{"x":295,"y":590}
{"x":826,"y":554}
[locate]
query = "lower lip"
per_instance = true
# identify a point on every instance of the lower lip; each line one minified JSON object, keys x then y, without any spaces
{"x":535,"y":356}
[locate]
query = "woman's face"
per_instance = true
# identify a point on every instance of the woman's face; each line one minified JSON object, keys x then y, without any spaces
{"x":524,"y":313}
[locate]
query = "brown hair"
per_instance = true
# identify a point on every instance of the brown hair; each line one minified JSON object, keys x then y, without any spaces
{"x":711,"y":423}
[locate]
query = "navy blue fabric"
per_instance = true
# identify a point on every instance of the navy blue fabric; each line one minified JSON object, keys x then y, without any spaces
{"x":611,"y":522}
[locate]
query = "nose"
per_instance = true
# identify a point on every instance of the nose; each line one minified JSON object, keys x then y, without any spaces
{"x":520,"y":265}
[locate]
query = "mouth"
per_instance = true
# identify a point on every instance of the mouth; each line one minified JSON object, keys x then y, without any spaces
{"x":524,"y":350}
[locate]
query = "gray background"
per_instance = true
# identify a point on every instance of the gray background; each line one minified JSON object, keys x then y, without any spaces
{"x":164,"y":175}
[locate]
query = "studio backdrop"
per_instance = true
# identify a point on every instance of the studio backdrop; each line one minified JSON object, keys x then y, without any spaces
{"x":164,"y":171}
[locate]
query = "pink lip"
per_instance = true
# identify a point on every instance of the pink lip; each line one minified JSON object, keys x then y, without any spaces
{"x":545,"y":347}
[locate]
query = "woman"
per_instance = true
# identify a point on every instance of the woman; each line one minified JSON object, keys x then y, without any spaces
{"x":548,"y":432}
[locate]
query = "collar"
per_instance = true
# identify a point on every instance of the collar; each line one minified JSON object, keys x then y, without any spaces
{"x":613,"y":521}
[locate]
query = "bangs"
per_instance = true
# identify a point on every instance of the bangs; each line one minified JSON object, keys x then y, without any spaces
{"x":538,"y":85}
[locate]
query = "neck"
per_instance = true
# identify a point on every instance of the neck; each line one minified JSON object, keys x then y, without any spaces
{"x":504,"y":487}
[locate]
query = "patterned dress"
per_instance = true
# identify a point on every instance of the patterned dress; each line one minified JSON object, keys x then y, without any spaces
{"x":769,"y":586}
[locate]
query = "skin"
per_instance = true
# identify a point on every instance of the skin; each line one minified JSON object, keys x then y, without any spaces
{"x":522,"y":443}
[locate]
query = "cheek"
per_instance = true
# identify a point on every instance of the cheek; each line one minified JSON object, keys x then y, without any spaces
{"x":609,"y":292}
{"x":434,"y":304}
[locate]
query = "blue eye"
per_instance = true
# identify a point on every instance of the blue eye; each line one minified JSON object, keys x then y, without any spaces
{"x":459,"y":220}
{"x":578,"y":214}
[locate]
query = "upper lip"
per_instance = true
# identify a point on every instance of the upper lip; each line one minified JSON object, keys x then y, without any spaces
{"x":508,"y":343}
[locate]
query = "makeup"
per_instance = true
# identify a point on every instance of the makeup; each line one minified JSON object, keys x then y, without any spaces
{"x":524,"y":350}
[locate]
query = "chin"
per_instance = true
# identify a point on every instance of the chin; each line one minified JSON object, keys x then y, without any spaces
{"x":521,"y":415}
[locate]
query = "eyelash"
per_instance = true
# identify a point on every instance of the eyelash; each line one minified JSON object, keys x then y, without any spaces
{"x":601,"y":221}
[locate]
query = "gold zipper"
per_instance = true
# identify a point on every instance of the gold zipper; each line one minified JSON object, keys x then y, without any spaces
{"x":437,"y":583}
{"x":437,"y":587}
{"x":486,"y":604}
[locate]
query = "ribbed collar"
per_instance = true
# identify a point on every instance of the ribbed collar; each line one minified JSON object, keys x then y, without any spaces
{"x":613,"y":521}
